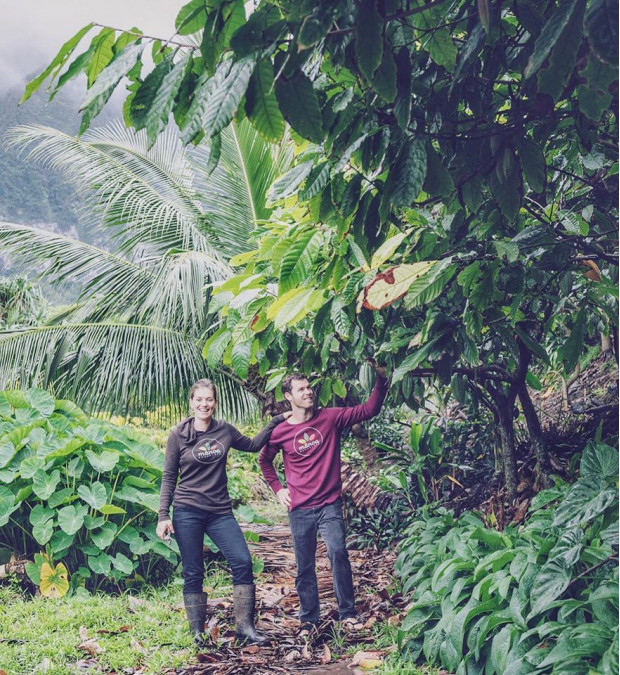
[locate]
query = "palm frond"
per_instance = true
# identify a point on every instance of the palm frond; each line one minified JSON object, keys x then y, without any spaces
{"x":117,"y":367}
{"x":145,"y":196}
{"x":234,"y":195}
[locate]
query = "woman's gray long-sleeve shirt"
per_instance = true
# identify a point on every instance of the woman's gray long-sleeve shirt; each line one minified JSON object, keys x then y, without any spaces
{"x":197,"y":460}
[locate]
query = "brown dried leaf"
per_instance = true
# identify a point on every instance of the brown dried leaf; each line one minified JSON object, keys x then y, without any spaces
{"x":326,"y":657}
{"x":91,"y":646}
{"x":362,"y":658}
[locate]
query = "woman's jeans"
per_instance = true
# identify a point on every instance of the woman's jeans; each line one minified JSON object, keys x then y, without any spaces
{"x":305,"y":524}
{"x":190,"y":525}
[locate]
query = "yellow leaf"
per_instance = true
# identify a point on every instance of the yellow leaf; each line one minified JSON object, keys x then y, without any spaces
{"x":391,"y":285}
{"x":54,"y":582}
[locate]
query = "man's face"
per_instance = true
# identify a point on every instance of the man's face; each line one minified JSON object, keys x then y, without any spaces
{"x":301,"y":395}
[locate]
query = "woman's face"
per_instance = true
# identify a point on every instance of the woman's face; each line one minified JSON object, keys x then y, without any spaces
{"x":203,"y":404}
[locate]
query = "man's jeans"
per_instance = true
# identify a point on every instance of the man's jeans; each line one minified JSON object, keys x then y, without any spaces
{"x":328,"y":521}
{"x":190,"y":525}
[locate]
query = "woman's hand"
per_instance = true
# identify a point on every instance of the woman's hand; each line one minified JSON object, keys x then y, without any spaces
{"x":287,"y":414}
{"x":284,"y":498}
{"x":164,"y":529}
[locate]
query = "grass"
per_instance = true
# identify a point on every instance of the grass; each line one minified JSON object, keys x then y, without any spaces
{"x":39,"y":635}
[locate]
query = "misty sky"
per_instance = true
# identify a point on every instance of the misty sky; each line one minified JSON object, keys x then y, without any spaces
{"x":32,"y":31}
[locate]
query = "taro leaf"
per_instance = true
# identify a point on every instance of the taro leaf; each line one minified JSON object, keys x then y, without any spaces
{"x":586,"y":499}
{"x":569,"y":547}
{"x":30,"y":466}
{"x":91,"y":523}
{"x":60,"y":542}
{"x":610,"y":534}
{"x":599,"y":459}
{"x":43,"y":531}
{"x":54,"y":581}
{"x":552,"y":580}
{"x":41,"y":514}
{"x":94,"y":495}
{"x":45,"y":484}
{"x":60,"y":497}
{"x":122,"y":563}
{"x":105,"y":536}
{"x":103,"y":462}
{"x":112,"y":510}
{"x":71,"y":518}
{"x":41,"y":401}
{"x":100,"y":564}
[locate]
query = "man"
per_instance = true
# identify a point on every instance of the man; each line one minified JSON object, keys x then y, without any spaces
{"x":310,"y":442}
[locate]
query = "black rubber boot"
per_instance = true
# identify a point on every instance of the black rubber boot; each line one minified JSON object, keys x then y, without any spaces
{"x":196,"y":610}
{"x":244,"y":597}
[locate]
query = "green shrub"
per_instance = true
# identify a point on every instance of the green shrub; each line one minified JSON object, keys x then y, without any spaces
{"x":540,"y":598}
{"x":82,"y":489}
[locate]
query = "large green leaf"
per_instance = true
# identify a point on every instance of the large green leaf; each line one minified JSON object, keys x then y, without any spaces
{"x":300,"y":106}
{"x":45,"y":484}
{"x":407,"y":175}
{"x":7,"y":505}
{"x":94,"y":495}
{"x":71,"y":518}
{"x":601,"y":26}
{"x":104,"y":536}
{"x":58,"y":61}
{"x":261,"y":105}
{"x":586,"y":499}
{"x":549,"y":35}
{"x":572,"y":348}
{"x":103,"y":462}
{"x":112,"y":74}
{"x":299,"y":259}
{"x":599,"y":459}
{"x":217,"y":98}
{"x":551,"y":582}
{"x":41,"y":401}
{"x":368,"y":37}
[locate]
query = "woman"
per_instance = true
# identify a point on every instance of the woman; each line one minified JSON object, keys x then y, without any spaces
{"x":196,"y":456}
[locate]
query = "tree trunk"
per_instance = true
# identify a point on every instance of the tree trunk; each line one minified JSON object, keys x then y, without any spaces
{"x":509,"y":459}
{"x":538,"y":442}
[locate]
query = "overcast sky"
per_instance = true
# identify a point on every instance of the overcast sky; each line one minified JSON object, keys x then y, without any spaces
{"x":32,"y":31}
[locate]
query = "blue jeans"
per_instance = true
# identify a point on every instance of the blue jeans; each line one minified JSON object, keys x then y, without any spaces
{"x":329,"y":523}
{"x":190,"y":526}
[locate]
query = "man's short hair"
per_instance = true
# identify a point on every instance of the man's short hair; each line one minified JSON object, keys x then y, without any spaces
{"x":287,"y":383}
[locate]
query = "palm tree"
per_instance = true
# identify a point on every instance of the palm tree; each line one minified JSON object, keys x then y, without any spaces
{"x":132,"y":339}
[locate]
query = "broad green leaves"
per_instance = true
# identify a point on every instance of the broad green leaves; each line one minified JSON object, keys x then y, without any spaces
{"x":517,"y":597}
{"x":64,"y":500}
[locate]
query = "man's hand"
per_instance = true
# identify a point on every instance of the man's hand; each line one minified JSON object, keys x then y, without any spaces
{"x":284,"y":497}
{"x":164,"y":529}
{"x":380,"y":370}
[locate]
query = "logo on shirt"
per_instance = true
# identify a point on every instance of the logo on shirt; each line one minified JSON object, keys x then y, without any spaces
{"x":208,"y":451}
{"x":307,"y":441}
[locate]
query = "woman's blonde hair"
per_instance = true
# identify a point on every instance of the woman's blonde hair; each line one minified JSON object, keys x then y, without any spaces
{"x":204,"y":383}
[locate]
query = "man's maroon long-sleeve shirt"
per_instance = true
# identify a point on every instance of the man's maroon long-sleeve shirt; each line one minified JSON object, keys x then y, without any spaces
{"x":311,"y":451}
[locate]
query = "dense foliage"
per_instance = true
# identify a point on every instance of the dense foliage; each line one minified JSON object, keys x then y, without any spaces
{"x":452,"y":206}
{"x":538,"y":598}
{"x":83,"y":490}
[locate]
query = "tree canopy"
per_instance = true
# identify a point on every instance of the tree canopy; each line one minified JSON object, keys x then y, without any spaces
{"x":452,"y":206}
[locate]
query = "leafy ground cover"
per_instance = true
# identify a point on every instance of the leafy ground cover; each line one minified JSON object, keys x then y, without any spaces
{"x":144,"y":634}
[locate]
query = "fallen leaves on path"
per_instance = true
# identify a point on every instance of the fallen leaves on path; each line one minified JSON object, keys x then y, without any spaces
{"x":278,"y":606}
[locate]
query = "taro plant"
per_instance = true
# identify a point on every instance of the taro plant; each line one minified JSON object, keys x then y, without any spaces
{"x":83,"y":490}
{"x":539,"y":598}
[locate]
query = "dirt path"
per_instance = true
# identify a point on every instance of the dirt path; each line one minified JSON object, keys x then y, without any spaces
{"x":277,"y":615}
